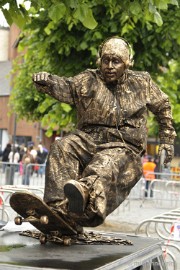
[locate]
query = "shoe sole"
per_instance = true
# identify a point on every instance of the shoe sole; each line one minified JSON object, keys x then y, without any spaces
{"x":75,"y":199}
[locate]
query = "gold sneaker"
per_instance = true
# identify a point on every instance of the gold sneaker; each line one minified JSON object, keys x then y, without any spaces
{"x":77,"y":195}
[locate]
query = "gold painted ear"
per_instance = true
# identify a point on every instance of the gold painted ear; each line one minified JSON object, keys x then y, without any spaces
{"x":131,"y":61}
{"x":98,"y":62}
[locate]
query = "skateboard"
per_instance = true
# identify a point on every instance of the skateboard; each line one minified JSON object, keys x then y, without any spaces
{"x":33,"y":209}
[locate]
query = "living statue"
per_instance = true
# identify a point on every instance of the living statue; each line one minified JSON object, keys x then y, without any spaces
{"x":90,"y":172}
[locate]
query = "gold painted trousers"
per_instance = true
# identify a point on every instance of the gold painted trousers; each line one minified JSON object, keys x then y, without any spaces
{"x":108,"y":172}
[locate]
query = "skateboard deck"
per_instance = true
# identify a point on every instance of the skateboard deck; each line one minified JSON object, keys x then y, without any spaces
{"x":33,"y":209}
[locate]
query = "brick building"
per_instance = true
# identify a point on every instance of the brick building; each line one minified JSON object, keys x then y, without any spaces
{"x":11,"y":130}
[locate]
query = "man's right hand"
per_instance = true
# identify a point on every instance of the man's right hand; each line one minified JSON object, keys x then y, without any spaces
{"x":41,"y":78}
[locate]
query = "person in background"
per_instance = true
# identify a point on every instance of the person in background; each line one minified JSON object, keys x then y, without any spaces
{"x":145,"y":158}
{"x":33,"y":151}
{"x":149,"y":174}
{"x":27,"y":160}
{"x":157,"y":169}
{"x":41,"y":159}
{"x":22,"y":151}
{"x":43,"y":147}
{"x":14,"y":155}
{"x":5,"y":156}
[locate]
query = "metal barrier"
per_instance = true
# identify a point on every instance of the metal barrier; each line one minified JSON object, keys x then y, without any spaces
{"x":8,"y":172}
{"x":34,"y":177}
{"x":19,"y":174}
{"x":18,"y":177}
{"x":165,"y":175}
{"x":162,"y":226}
{"x":139,"y":190}
{"x":5,"y":192}
{"x":163,"y":193}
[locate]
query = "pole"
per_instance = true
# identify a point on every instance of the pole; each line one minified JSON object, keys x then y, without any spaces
{"x":12,"y":167}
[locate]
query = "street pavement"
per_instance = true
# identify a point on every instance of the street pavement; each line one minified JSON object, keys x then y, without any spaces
{"x":132,"y":212}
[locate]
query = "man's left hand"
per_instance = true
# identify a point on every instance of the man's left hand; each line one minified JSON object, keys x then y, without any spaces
{"x":169,"y":152}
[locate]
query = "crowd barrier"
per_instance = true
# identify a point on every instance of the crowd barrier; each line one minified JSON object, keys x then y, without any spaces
{"x":165,"y":226}
{"x":163,"y":192}
{"x":5,"y":193}
{"x":16,"y":177}
{"x":19,"y":174}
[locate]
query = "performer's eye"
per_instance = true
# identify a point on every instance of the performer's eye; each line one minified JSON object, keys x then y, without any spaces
{"x":105,"y":61}
{"x":116,"y":62}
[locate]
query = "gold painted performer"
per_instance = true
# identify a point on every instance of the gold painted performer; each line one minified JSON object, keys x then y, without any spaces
{"x":90,"y":172}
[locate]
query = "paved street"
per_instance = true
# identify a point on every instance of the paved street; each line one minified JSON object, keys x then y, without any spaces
{"x":131,"y":213}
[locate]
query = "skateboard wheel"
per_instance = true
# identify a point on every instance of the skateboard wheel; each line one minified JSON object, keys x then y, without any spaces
{"x":43,"y":239}
{"x":67,"y":241}
{"x":44,"y":220}
{"x":18,"y":220}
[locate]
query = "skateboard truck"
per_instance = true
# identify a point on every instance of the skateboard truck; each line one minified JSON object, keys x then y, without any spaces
{"x":31,"y":218}
{"x":51,"y":237}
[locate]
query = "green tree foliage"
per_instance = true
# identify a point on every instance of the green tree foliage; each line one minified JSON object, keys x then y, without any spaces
{"x":14,"y":14}
{"x":62,"y":37}
{"x":170,"y":83}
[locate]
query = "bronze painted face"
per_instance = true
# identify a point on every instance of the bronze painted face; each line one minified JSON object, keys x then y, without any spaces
{"x":114,"y":59}
{"x":112,"y":67}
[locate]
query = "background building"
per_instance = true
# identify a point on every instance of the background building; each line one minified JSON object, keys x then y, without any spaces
{"x":11,"y":130}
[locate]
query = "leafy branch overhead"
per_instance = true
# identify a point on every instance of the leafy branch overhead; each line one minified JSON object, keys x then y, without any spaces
{"x":62,"y":37}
